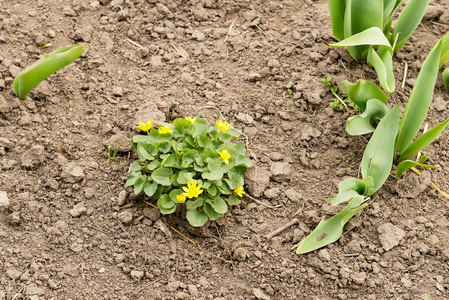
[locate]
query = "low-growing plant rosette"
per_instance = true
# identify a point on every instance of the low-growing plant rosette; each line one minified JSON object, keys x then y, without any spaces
{"x":190,"y":163}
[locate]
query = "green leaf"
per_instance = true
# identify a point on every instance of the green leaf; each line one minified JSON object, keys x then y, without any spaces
{"x":148,"y":139}
{"x":214,"y":172}
{"x":165,"y":211}
{"x":444,"y":50}
{"x":225,"y":137}
{"x":164,"y":147}
{"x":366,"y":15}
{"x":423,"y":141}
{"x":136,"y":166}
{"x":162,"y":176}
{"x":233,"y":200}
{"x":418,"y":103}
{"x":196,"y":218}
{"x":242,"y":160}
{"x":211,"y":213}
{"x":375,"y":111}
{"x":352,"y":187}
{"x":138,"y":185}
{"x":331,"y":230}
{"x":200,"y":127}
{"x":235,"y":180}
{"x":407,"y":22}
{"x":337,"y":12}
{"x":209,"y":152}
{"x":446,"y":79}
{"x":175,"y":193}
{"x":218,"y":204}
{"x":212,"y":191}
{"x":166,"y":202}
{"x":370,"y":36}
{"x":383,"y":64}
{"x":194,"y":204}
{"x":200,"y":159}
{"x":158,"y":192}
{"x":172,"y":161}
{"x":150,"y":188}
{"x":27,"y":79}
{"x":424,"y":158}
{"x":233,"y":133}
{"x":146,"y":151}
{"x":362,"y":91}
{"x":166,"y":137}
{"x":378,"y":156}
{"x":150,"y":166}
{"x":184,"y":176}
{"x":408,"y":164}
{"x":132,"y":178}
{"x":204,"y":141}
{"x":188,"y":158}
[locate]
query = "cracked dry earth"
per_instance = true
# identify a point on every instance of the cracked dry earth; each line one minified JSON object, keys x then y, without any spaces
{"x":68,"y":228}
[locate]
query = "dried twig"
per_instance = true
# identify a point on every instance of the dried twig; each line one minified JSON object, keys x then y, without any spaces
{"x":229,"y":31}
{"x":432,"y":184}
{"x":405,"y":75}
{"x":180,"y":50}
{"x":280,"y":229}
{"x":261,"y":30}
{"x":134,"y":43}
{"x":261,"y":203}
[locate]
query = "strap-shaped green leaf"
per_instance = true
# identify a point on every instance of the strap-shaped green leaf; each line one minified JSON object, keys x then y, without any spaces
{"x":446,"y":79}
{"x":378,"y":156}
{"x":362,"y":91}
{"x":408,"y":20}
{"x":383,"y":64}
{"x":331,"y":230}
{"x":408,"y":164}
{"x":444,"y":49}
{"x":366,"y":14}
{"x":352,"y":187}
{"x":44,"y":67}
{"x":390,"y":7}
{"x":423,"y":141}
{"x":337,"y":12}
{"x":418,"y":103}
{"x":370,"y":36}
{"x":362,"y":124}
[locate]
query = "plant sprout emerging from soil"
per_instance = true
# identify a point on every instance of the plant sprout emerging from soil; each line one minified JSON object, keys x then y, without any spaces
{"x":26,"y":80}
{"x":190,"y":167}
{"x":342,"y":102}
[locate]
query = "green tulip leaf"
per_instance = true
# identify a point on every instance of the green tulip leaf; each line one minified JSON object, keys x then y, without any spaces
{"x":408,"y":164}
{"x":375,"y":111}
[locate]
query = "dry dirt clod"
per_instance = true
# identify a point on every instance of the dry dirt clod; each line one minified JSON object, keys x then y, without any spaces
{"x":78,"y":210}
{"x":4,"y":200}
{"x":240,"y":254}
{"x":390,"y":235}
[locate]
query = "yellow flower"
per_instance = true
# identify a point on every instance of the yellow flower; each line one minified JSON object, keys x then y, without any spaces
{"x":225,"y":155}
{"x":192,"y":191}
{"x":223,"y":126}
{"x":181,"y":198}
{"x":239,"y":191}
{"x":145,"y":126}
{"x":190,"y":120}
{"x":165,"y":130}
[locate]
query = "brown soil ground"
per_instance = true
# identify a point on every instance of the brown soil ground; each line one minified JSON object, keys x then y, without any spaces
{"x":64,"y":233}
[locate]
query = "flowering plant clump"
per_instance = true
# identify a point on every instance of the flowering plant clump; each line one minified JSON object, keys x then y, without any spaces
{"x":190,"y":163}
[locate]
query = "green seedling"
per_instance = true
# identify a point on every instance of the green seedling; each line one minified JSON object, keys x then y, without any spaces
{"x":26,"y":80}
{"x":113,"y":153}
{"x":289,"y":91}
{"x":190,"y":165}
{"x":393,"y":142}
{"x":364,"y":28}
{"x":342,"y":102}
